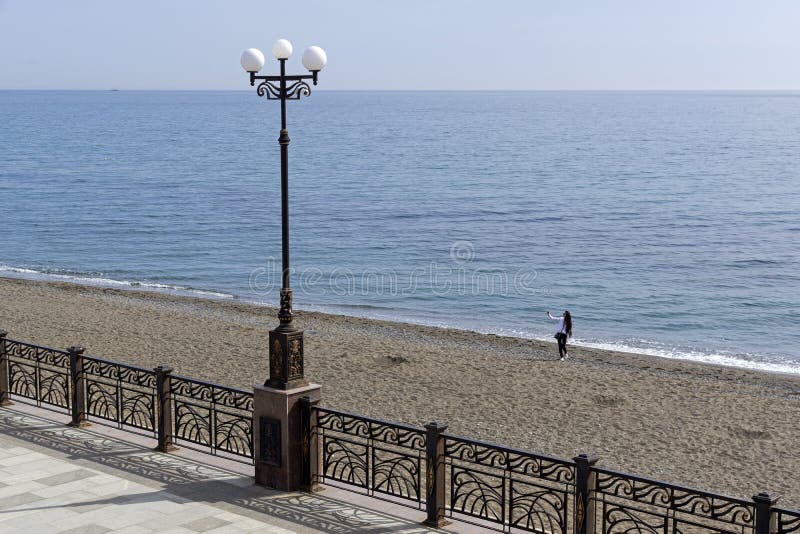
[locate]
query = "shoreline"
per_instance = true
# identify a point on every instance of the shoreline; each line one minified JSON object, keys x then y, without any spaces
{"x":694,"y":357}
{"x":724,"y":429}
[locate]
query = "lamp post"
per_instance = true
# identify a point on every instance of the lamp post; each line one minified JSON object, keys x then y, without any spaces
{"x":285,"y":341}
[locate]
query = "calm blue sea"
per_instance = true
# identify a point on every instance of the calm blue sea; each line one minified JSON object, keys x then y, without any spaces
{"x":667,"y":223}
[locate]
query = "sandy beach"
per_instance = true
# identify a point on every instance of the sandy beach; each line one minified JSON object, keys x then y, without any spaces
{"x":722,"y":429}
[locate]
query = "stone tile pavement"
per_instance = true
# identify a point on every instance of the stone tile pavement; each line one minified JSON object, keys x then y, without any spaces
{"x":59,"y":479}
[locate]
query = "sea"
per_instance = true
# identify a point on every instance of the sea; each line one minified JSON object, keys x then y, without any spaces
{"x":668,"y":223}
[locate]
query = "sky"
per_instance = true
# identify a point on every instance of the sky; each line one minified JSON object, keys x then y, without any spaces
{"x":405,"y":44}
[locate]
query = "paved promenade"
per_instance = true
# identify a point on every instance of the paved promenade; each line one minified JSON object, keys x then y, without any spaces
{"x":54,"y":478}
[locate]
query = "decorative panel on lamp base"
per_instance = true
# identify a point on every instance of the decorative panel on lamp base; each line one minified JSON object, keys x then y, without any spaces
{"x":286,"y":359}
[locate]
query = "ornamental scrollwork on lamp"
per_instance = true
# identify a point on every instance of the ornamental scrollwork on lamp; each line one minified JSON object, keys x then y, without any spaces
{"x":270,"y":90}
{"x":295,"y":358}
{"x":298,"y":89}
{"x":285,"y":314}
{"x":276,"y":360}
{"x":293,"y":91}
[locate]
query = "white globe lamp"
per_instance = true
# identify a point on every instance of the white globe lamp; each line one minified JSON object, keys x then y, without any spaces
{"x":252,"y":60}
{"x":314,"y":58}
{"x":282,"y":49}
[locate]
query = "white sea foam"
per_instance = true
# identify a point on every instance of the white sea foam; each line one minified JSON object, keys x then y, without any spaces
{"x":645,"y":347}
{"x":100,"y":281}
{"x":742,"y":361}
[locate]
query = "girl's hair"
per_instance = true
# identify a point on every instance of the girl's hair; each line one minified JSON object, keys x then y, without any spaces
{"x":568,"y":322}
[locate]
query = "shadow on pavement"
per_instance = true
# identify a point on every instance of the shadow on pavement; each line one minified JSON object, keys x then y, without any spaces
{"x":195,"y":481}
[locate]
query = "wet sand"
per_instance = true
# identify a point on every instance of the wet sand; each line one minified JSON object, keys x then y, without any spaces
{"x":722,"y":429}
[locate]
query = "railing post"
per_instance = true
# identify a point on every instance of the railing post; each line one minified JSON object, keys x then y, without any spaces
{"x":78,"y":396}
{"x":5,"y":382}
{"x":435,"y":483}
{"x":308,"y":422}
{"x":164,"y":408}
{"x":766,"y":521}
{"x":585,"y":479}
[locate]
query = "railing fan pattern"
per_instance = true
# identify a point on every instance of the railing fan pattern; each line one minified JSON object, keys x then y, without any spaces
{"x":378,"y":457}
{"x":787,"y":521}
{"x":40,"y":374}
{"x":633,"y":504}
{"x":512,"y":488}
{"x":120,"y":393}
{"x":216,"y":417}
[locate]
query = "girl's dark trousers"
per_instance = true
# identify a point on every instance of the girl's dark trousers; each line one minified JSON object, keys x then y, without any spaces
{"x":562,"y":344}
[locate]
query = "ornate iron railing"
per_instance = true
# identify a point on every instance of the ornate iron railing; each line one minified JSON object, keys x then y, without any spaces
{"x":215,"y":417}
{"x":497,"y":488}
{"x":41,"y":374}
{"x":120,"y":393}
{"x":379,"y":458}
{"x":787,"y":521}
{"x":512,"y":488}
{"x":626,"y":503}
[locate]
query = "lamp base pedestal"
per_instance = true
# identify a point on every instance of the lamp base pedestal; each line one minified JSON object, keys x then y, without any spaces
{"x":278,"y":440}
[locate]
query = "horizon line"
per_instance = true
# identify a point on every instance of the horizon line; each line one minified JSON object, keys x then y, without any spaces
{"x":319,"y":89}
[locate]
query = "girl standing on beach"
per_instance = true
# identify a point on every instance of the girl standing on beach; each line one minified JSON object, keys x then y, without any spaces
{"x":563,"y":331}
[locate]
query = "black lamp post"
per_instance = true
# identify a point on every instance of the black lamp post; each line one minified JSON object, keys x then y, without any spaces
{"x":285,"y":341}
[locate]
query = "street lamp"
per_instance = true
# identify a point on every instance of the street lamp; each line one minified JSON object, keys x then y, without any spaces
{"x":285,"y":341}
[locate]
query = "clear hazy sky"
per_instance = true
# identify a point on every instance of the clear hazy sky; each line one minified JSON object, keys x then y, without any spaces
{"x":405,"y":44}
